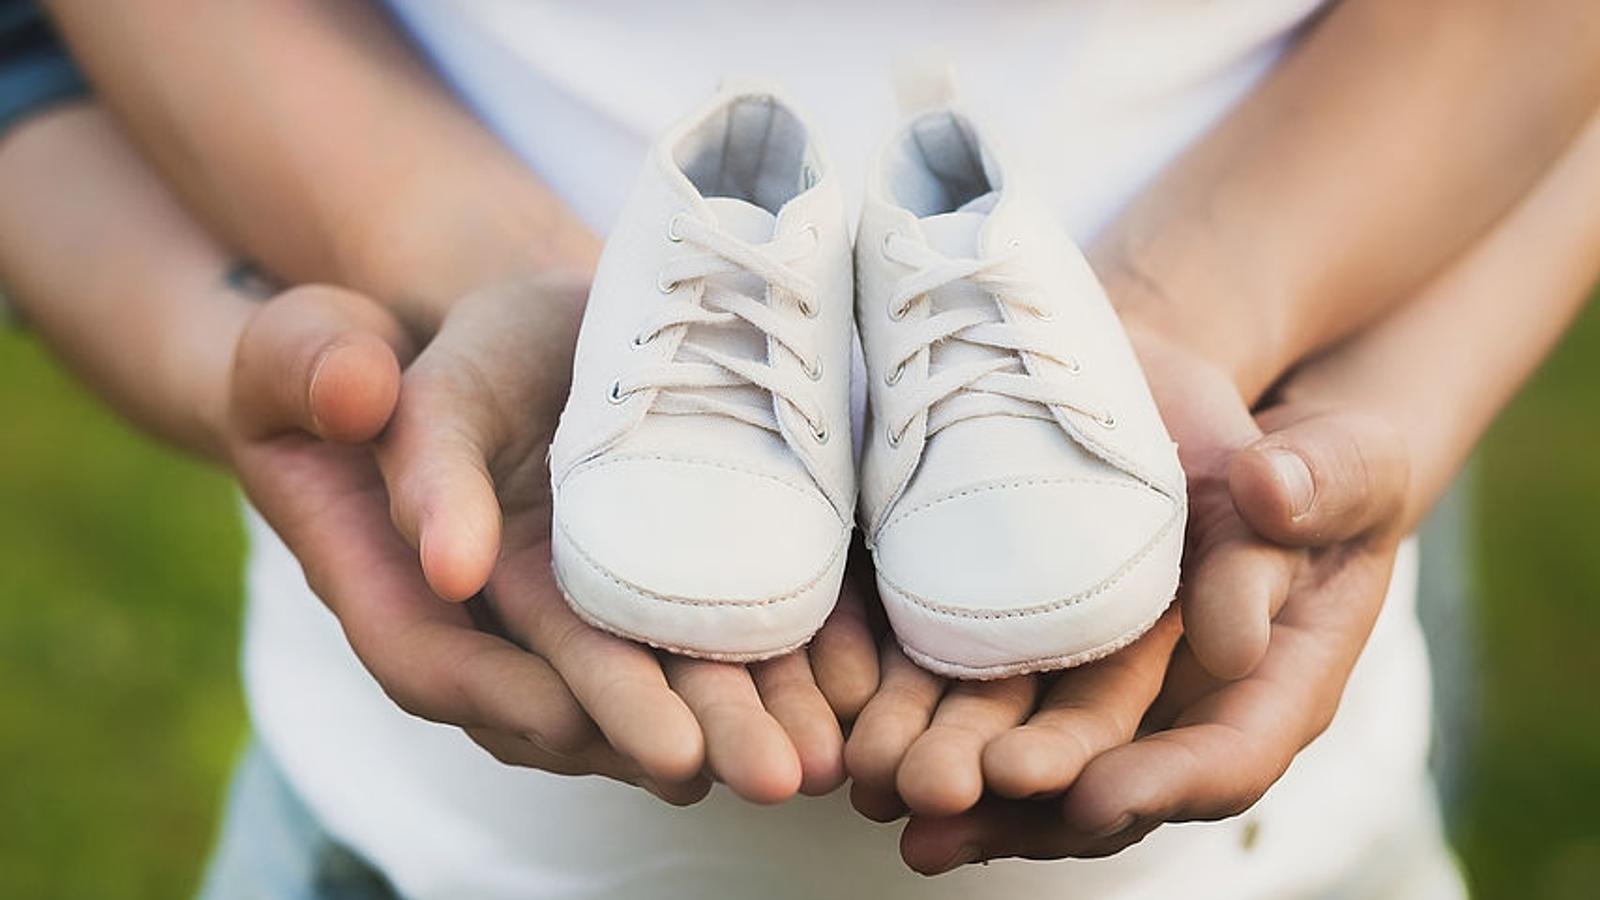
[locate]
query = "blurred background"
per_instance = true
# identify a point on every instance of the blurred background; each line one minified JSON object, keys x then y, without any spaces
{"x":120,"y":711}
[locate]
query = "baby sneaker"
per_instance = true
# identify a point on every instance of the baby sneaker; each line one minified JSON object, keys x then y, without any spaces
{"x":1021,"y":497}
{"x":702,"y":473}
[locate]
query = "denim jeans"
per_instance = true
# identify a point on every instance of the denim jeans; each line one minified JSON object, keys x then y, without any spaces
{"x":270,"y":847}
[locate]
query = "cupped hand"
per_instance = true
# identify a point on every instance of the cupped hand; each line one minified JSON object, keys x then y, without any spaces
{"x":317,"y":375}
{"x":464,"y":458}
{"x":1098,"y":765}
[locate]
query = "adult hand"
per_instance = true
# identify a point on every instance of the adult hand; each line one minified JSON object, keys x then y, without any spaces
{"x":1111,"y":765}
{"x":316,"y":376}
{"x":465,"y":461}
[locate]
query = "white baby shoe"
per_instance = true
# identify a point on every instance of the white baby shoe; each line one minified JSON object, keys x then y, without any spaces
{"x":1022,"y":499}
{"x":702,"y":473}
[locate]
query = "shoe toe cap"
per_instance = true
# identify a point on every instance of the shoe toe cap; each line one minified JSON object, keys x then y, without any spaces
{"x":695,"y":555}
{"x":1050,"y":568}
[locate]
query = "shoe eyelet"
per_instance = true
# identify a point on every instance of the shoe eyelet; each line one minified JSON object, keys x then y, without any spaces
{"x":1042,"y":314}
{"x":665,"y":286}
{"x":815,"y":372}
{"x":640,"y":341}
{"x":1108,"y":423}
{"x":820,"y":435}
{"x":672,"y":229}
{"x":809,"y":309}
{"x":811,"y":229}
{"x":615,"y":394}
{"x":1074,"y":366}
{"x":893,"y":437}
{"x":883,"y":245}
{"x":898,"y":315}
{"x":892,"y":377}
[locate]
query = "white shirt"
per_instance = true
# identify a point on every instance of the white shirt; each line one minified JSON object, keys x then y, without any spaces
{"x":1096,"y":96}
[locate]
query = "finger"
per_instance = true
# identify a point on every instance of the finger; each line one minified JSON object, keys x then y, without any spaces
{"x":599,"y":759}
{"x":1228,"y":748}
{"x":844,"y":654}
{"x":443,"y":670}
{"x":943,"y":771}
{"x":876,"y":804}
{"x":618,"y":683}
{"x":1323,"y":479}
{"x":890,"y":722}
{"x":1187,"y":682}
{"x":1236,"y":583}
{"x":1086,"y":711}
{"x":790,"y":693}
{"x":321,"y":360}
{"x":746,"y":748}
{"x":426,"y":655}
{"x":995,"y":829}
{"x":435,"y":460}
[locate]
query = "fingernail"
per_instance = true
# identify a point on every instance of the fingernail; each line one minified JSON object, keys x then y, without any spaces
{"x":1295,"y":476}
{"x":1117,"y":827}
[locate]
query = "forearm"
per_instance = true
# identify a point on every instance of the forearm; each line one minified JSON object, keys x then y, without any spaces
{"x":308,"y":133}
{"x":105,"y":264}
{"x":1441,"y":367}
{"x":1392,"y":136}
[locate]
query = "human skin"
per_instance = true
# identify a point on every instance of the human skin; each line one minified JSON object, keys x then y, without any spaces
{"x":1390,"y":137}
{"x":289,"y":393}
{"x":1329,"y":196}
{"x":1381,"y":424}
{"x":1346,"y":172}
{"x":318,"y":177}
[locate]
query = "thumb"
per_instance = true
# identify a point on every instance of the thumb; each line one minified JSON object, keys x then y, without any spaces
{"x":435,"y":461}
{"x":1322,"y":479}
{"x":317,"y":359}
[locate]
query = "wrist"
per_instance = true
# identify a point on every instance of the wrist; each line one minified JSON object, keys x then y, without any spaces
{"x":440,"y":243}
{"x":1191,"y":298}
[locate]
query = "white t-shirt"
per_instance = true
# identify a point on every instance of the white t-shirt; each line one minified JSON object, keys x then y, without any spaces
{"x":1095,"y":96}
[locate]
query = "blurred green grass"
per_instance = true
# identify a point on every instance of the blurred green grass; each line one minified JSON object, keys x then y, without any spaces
{"x":119,"y":615}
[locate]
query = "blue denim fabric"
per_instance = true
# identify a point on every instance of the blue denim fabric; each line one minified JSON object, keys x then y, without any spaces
{"x":35,"y":70}
{"x":270,"y":847}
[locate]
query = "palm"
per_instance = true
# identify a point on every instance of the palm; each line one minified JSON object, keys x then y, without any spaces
{"x":1148,"y":735}
{"x":470,"y":437}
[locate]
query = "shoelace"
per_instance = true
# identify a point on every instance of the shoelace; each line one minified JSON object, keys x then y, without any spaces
{"x":688,"y":382}
{"x":994,"y":385}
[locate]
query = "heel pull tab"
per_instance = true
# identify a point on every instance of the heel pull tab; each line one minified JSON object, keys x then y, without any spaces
{"x":923,"y":81}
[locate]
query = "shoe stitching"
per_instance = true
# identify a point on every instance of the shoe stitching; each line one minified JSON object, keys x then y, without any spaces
{"x":752,"y":656}
{"x":1008,"y":485}
{"x":594,"y":565}
{"x":1048,"y":606}
{"x":1038,"y":663}
{"x":808,"y":491}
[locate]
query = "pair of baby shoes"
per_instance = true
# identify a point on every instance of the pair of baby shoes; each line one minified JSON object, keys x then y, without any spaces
{"x":1020,"y":496}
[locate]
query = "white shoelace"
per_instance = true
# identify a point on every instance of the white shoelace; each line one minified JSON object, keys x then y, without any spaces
{"x":689,"y":383}
{"x":997,"y":384}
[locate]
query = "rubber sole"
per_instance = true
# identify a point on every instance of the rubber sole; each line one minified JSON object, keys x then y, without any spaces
{"x":1042,"y":664}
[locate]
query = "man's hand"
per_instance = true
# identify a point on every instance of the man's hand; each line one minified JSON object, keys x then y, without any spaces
{"x":1151,"y":734}
{"x":1111,"y":765}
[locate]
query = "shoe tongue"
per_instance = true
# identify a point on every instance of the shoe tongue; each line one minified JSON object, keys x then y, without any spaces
{"x":745,"y":221}
{"x":958,"y":235}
